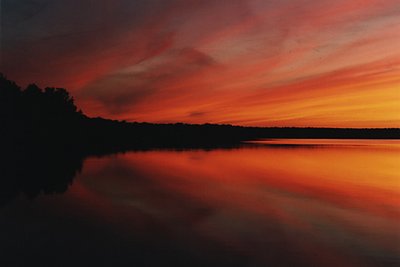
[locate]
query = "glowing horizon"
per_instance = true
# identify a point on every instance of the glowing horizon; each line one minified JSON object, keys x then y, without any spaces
{"x":249,"y":62}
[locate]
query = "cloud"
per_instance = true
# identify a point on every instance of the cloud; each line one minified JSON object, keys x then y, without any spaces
{"x":164,"y":60}
{"x":121,"y":91}
{"x":197,"y":114}
{"x":70,"y":43}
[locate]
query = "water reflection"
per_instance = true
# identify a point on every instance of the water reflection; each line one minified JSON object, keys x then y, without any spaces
{"x":335,"y":205}
{"x":35,"y":173}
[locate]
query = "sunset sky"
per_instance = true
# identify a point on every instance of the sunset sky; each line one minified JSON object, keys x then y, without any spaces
{"x":245,"y":62}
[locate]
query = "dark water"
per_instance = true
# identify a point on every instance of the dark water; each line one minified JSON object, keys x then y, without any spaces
{"x":280,"y":203}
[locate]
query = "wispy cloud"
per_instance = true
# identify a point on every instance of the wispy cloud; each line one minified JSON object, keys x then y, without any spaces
{"x":247,"y":62}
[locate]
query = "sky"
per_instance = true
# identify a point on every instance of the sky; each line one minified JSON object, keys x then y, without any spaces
{"x":245,"y":62}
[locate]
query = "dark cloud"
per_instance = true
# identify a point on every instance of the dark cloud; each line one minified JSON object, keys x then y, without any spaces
{"x":121,"y":91}
{"x":16,"y":12}
{"x":55,"y":40}
{"x":72,"y":43}
{"x":164,"y":60}
{"x":197,"y":114}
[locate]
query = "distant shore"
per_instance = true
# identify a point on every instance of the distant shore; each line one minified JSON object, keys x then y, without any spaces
{"x":48,"y":119}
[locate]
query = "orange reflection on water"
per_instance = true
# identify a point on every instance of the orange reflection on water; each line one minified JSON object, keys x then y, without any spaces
{"x":335,"y":205}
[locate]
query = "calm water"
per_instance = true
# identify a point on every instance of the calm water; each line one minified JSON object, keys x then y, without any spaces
{"x":273,"y":203}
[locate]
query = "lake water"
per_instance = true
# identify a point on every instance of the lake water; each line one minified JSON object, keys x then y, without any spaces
{"x":268,"y":203}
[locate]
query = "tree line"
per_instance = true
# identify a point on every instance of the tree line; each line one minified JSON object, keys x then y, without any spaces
{"x":49,"y":119}
{"x":44,"y":138}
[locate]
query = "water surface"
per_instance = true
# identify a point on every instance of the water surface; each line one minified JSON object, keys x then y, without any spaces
{"x":270,"y":203}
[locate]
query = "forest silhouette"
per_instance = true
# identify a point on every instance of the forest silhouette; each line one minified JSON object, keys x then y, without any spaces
{"x":45,"y":137}
{"x":49,"y":120}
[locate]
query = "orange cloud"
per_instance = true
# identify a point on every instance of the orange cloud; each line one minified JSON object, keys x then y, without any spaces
{"x":251,"y":62}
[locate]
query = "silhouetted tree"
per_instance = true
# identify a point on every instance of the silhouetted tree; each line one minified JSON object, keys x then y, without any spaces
{"x":49,"y":119}
{"x":44,"y":138}
{"x":36,"y":116}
